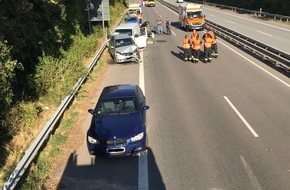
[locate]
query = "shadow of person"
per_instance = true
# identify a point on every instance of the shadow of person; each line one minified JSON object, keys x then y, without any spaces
{"x":179,"y":55}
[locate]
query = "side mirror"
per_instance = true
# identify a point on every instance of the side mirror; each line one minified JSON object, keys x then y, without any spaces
{"x":91,"y":111}
{"x":145,"y":108}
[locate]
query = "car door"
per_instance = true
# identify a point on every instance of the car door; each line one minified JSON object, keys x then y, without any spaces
{"x":112,"y":46}
{"x":141,"y":38}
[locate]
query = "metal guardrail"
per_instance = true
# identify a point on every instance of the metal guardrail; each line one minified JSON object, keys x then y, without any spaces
{"x":36,"y":146}
{"x":241,"y":10}
{"x":275,"y":56}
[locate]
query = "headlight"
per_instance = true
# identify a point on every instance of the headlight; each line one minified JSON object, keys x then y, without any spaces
{"x":93,"y":141}
{"x":137,"y":137}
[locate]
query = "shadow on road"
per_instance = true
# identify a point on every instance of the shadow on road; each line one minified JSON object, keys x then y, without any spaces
{"x":108,"y":173}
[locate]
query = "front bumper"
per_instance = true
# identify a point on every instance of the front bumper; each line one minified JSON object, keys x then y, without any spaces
{"x":118,"y":150}
{"x":132,"y":57}
{"x":196,"y":26}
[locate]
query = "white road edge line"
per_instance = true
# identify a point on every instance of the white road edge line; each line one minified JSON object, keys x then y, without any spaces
{"x":251,"y":174}
{"x":142,"y":160}
{"x":288,"y":85}
{"x":241,"y":117}
{"x":231,"y":22}
{"x":264,"y":33}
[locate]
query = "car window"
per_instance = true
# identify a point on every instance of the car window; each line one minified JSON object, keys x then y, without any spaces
{"x":124,"y":42}
{"x":142,"y":31}
{"x":118,"y":106}
{"x":194,"y":14}
{"x":124,"y":31}
{"x":132,"y":20}
{"x":140,"y":95}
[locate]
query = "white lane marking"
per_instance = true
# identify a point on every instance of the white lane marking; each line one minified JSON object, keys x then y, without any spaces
{"x":264,"y":33}
{"x":285,"y":83}
{"x":141,"y":72}
{"x":251,"y":174}
{"x":143,"y":160}
{"x":173,"y":33}
{"x":212,"y":15}
{"x":143,"y":172}
{"x":252,"y":20}
{"x":231,"y":22}
{"x":241,"y":117}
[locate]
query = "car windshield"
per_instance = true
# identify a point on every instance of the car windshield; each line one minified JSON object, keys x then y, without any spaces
{"x":133,"y":11}
{"x":124,"y":31}
{"x":119,"y":106}
{"x":196,"y":14}
{"x":124,"y":42}
{"x":132,"y":20}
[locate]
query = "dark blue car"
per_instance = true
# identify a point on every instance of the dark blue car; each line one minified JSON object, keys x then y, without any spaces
{"x":132,"y":19}
{"x":118,"y":123}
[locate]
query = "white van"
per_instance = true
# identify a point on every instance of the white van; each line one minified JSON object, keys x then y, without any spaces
{"x":133,"y":29}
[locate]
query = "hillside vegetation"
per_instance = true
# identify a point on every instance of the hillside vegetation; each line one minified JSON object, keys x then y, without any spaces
{"x":43,"y":45}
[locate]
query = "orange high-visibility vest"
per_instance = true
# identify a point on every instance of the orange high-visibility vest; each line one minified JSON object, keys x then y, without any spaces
{"x":186,"y":43}
{"x":207,"y":42}
{"x":194,"y":36}
{"x":196,"y":44}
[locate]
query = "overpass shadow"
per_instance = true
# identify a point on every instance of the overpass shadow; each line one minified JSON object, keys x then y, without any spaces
{"x":108,"y":174}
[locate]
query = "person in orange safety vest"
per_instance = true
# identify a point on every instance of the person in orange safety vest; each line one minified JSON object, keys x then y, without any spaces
{"x":207,"y":47}
{"x":194,"y":35}
{"x":214,"y":44}
{"x":186,"y":49}
{"x":196,"y":46}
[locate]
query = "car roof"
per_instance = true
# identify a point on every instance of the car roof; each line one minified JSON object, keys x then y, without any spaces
{"x":121,"y":36}
{"x":126,"y":26}
{"x":122,"y":90}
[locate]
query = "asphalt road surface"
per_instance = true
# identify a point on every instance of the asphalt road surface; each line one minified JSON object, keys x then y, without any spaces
{"x":223,"y":125}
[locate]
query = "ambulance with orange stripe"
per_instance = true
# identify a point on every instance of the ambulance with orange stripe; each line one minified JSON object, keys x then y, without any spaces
{"x":191,"y":16}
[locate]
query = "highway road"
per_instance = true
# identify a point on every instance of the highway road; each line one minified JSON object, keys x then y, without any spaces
{"x":223,"y":125}
{"x":272,"y":33}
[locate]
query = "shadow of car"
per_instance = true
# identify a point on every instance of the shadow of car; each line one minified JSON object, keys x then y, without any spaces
{"x":118,"y":125}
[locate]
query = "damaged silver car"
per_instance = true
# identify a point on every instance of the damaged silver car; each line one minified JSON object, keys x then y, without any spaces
{"x":123,"y":48}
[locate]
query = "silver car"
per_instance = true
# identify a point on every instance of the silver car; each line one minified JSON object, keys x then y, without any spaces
{"x":123,"y":48}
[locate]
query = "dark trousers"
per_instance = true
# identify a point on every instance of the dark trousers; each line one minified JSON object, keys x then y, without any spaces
{"x":187,"y":54}
{"x":168,"y":30}
{"x":207,"y":54}
{"x":214,"y":50}
{"x":196,"y":54}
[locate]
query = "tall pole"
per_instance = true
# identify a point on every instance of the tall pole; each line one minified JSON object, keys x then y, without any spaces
{"x":89,"y":16}
{"x":103,"y":19}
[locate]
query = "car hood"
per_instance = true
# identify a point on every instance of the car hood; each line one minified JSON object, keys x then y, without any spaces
{"x":126,"y":49}
{"x":120,"y":126}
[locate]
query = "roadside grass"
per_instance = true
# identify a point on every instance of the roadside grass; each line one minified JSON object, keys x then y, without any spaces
{"x":40,"y":170}
{"x":27,"y":118}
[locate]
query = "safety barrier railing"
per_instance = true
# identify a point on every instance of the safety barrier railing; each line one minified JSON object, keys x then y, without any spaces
{"x":275,"y":56}
{"x":43,"y":136}
{"x":241,"y":10}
